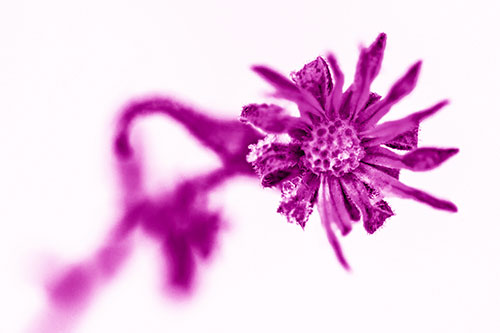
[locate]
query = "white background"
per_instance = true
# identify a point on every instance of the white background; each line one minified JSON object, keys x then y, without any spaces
{"x":65,"y":70}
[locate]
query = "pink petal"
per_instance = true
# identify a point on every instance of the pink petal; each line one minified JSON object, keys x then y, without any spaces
{"x":386,"y":183}
{"x":353,"y":211}
{"x":367,"y":69}
{"x":405,"y":141}
{"x":301,"y":133}
{"x":424,"y":159}
{"x":401,"y":88}
{"x":336,"y":97}
{"x":338,"y":211}
{"x":270,"y":118}
{"x":393,"y":172}
{"x":421,"y":159}
{"x":389,"y":130}
{"x":384,"y":157}
{"x":345,"y":107}
{"x":288,"y":90}
{"x":277,"y":80}
{"x":326,"y":212}
{"x":315,"y":78}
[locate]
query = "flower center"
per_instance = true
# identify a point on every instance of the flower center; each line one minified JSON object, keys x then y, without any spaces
{"x":334,"y":148}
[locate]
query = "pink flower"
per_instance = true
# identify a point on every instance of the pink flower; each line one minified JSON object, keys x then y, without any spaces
{"x":333,"y":155}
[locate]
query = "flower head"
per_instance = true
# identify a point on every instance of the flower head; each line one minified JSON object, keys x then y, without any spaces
{"x":336,"y":154}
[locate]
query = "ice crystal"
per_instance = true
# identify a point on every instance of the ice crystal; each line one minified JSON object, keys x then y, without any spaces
{"x":335,"y":156}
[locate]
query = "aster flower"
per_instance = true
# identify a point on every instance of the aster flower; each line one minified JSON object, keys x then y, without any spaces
{"x":336,"y":154}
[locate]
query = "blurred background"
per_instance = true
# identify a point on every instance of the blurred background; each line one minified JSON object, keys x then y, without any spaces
{"x":66,"y":68}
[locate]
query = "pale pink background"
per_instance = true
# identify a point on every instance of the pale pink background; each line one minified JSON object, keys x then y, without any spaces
{"x":66,"y":68}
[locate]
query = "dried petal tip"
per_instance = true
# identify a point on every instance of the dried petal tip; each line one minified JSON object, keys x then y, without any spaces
{"x":315,"y":78}
{"x":376,"y":216}
{"x":381,"y":39}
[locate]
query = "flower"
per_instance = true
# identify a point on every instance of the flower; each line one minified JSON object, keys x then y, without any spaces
{"x":336,"y":154}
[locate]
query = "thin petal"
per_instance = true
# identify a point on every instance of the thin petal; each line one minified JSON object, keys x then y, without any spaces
{"x":277,"y":80}
{"x":337,"y":210}
{"x":353,"y":211}
{"x":384,"y":157}
{"x":367,"y":69}
{"x":386,"y":183}
{"x":421,"y":159}
{"x":401,"y":88}
{"x":345,"y":108}
{"x":325,"y":208}
{"x":393,"y":172}
{"x":274,"y":161}
{"x":288,"y":90}
{"x":424,"y":159}
{"x":315,"y":78}
{"x":405,"y":141}
{"x":389,"y":130}
{"x":270,"y":118}
{"x":336,"y":98}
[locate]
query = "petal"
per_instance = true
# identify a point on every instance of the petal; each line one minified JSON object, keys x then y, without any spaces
{"x":277,"y":80}
{"x":421,"y":159}
{"x":288,"y":90}
{"x":315,"y":78}
{"x":345,"y":108}
{"x":367,"y":69}
{"x":336,"y":97}
{"x":301,"y":133}
{"x":374,"y":215}
{"x":405,"y":141}
{"x":298,"y":198}
{"x":274,"y":161}
{"x":325,"y":208}
{"x":401,"y":88}
{"x":389,"y":130}
{"x":386,"y":183}
{"x":424,"y":159}
{"x":353,"y":211}
{"x":336,"y":209}
{"x":393,"y":172}
{"x":383,"y":157}
{"x":270,"y":118}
